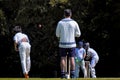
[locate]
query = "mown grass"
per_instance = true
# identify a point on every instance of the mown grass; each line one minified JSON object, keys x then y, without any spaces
{"x":59,"y":79}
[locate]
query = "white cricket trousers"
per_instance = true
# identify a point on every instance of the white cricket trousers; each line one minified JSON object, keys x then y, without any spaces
{"x":24,"y":52}
{"x":81,"y":65}
{"x":93,"y":63}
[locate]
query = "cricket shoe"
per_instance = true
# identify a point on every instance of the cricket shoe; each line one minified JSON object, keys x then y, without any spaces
{"x":63,"y":76}
{"x":26,"y":75}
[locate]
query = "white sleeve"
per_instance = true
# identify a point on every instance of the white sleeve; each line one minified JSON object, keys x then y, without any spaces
{"x":15,"y":38}
{"x":77,"y":31}
{"x":58,"y":30}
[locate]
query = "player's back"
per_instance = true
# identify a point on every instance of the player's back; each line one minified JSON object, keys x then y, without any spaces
{"x":92,"y":52}
{"x":67,"y":28}
{"x":19,"y":37}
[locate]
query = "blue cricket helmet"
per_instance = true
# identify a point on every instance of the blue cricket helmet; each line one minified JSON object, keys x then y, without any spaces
{"x":80,"y":44}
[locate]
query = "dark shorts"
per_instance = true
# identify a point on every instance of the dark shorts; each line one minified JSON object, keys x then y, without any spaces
{"x":70,"y":52}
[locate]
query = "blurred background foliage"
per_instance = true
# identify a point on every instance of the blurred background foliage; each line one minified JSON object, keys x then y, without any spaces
{"x":99,"y":22}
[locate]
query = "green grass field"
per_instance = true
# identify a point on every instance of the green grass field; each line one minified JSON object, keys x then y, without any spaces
{"x":59,"y":79}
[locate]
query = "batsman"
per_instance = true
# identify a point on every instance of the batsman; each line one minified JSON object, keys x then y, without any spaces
{"x":93,"y":57}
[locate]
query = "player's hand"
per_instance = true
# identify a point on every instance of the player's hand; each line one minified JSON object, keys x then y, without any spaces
{"x":76,"y":60}
{"x":87,"y":57}
{"x":16,"y":49}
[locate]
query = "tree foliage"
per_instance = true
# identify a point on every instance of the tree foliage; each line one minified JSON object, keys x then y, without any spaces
{"x":3,"y":28}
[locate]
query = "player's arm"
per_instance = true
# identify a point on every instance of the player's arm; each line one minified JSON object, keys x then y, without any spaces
{"x":76,"y":59}
{"x":15,"y":46}
{"x":58,"y":31}
{"x":15,"y":43}
{"x":77,"y":31}
{"x":84,"y":55}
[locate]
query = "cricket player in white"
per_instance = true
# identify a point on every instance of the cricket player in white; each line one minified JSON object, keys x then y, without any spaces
{"x":21,"y":44}
{"x":94,"y":58}
{"x":79,"y":60}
